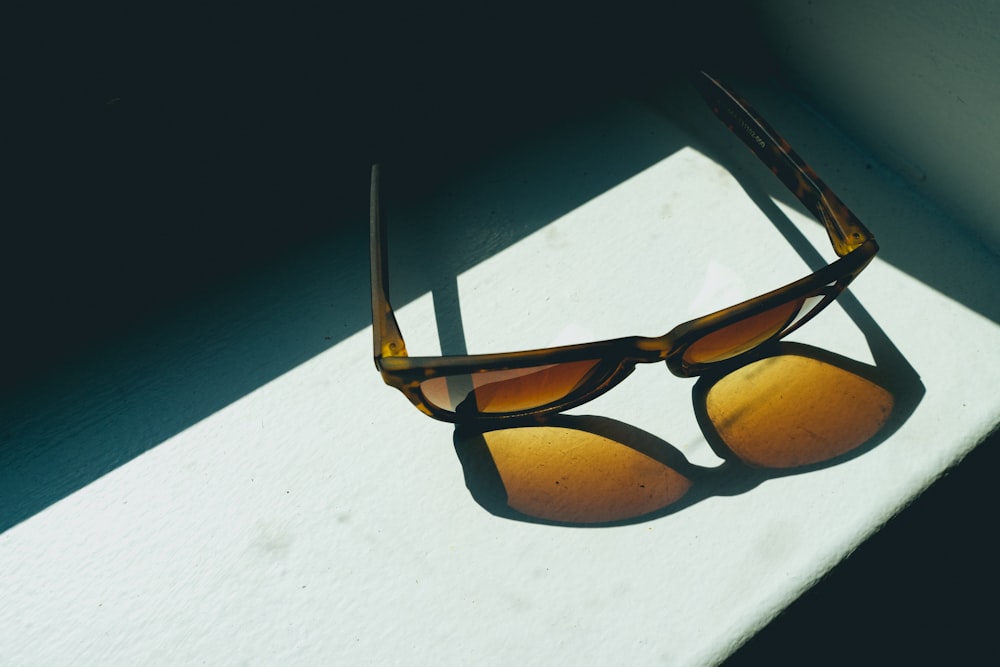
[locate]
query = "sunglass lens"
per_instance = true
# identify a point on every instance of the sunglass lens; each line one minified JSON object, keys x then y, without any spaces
{"x":509,"y":391}
{"x":746,"y":334}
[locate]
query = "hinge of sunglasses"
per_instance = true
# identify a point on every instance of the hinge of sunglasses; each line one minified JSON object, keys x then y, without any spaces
{"x":388,"y":339}
{"x":393,"y":349}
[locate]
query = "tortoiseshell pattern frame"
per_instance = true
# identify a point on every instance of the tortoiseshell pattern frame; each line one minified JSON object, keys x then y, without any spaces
{"x":851,"y":240}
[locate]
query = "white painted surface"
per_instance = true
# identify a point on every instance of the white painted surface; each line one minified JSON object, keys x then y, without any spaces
{"x":235,"y":485}
{"x":915,"y":81}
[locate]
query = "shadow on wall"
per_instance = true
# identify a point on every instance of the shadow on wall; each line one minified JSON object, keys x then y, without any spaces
{"x":934,"y":251}
{"x":159,"y":151}
{"x":914,"y":81}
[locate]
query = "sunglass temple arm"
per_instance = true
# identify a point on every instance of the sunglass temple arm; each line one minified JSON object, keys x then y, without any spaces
{"x":386,"y":337}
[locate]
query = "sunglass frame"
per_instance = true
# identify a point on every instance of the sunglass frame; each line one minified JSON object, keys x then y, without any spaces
{"x":851,"y":240}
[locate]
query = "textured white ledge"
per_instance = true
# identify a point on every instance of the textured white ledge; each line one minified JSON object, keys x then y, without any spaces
{"x":262,"y":497}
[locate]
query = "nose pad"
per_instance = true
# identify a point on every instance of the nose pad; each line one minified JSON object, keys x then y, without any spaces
{"x":614,"y":378}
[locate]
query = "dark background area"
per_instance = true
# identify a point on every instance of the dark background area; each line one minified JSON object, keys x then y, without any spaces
{"x":158,"y":151}
{"x":921,"y":591}
{"x":154,"y":153}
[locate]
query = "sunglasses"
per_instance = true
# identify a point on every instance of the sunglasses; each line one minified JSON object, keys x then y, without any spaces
{"x":488,"y":388}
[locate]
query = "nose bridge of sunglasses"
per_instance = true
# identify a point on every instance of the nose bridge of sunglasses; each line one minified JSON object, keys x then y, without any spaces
{"x":652,"y":350}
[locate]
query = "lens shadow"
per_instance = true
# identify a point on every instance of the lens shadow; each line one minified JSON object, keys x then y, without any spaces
{"x":574,"y":471}
{"x":794,"y":409}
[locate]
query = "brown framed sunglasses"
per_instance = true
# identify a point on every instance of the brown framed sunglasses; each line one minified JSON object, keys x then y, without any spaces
{"x":487,"y":388}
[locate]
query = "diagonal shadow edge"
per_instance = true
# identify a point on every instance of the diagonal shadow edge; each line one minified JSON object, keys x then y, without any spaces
{"x":70,"y":428}
{"x":953,"y":265}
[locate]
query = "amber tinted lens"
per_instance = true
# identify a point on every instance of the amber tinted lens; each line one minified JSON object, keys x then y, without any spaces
{"x":508,"y":391}
{"x":743,"y":335}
